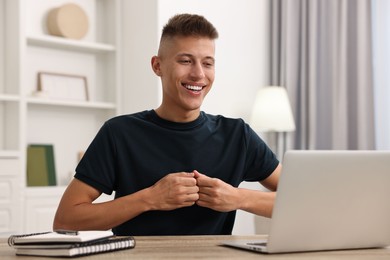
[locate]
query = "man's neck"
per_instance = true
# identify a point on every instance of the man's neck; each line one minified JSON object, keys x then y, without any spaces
{"x":177,"y":116}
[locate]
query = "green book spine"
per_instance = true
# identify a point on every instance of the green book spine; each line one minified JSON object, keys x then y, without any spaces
{"x":50,"y":163}
{"x":37,"y":174}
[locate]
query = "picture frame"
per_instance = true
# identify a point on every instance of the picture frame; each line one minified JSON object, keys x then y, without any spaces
{"x":63,"y":86}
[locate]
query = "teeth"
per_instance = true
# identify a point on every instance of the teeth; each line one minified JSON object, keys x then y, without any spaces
{"x":195,"y":88}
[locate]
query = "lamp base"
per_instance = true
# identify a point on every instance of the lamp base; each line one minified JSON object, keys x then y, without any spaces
{"x":277,"y":141}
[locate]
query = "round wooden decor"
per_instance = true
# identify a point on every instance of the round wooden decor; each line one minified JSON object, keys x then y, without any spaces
{"x":69,"y":21}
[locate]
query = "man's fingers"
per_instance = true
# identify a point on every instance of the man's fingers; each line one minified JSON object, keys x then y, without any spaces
{"x":197,"y":174}
{"x":192,"y":197}
{"x":205,"y":181}
{"x":184,"y":174}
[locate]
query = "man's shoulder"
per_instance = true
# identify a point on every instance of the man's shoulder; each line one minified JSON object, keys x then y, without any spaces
{"x":224,"y":119}
{"x":125,"y":118}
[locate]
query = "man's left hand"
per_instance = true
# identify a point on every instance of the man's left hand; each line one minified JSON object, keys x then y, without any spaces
{"x":216,"y":194}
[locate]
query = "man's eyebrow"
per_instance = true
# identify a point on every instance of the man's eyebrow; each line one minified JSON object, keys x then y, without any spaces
{"x":191,"y":56}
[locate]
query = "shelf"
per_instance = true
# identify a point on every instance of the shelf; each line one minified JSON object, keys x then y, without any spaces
{"x":9,"y":154}
{"x":74,"y":45}
{"x":46,"y":190}
{"x":76,"y":104}
{"x":68,"y":124}
{"x":7,"y":97}
{"x":57,"y":192}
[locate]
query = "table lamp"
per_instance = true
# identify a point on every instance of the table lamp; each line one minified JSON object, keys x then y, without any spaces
{"x":272,"y":113}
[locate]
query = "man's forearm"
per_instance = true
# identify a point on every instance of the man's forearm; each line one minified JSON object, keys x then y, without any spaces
{"x":101,"y":216}
{"x":257,"y":202}
{"x":77,"y":212}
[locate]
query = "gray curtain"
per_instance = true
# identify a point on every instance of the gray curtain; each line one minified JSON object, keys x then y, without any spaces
{"x":321,"y":52}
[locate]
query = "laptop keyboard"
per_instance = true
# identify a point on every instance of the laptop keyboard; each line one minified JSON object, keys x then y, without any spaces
{"x":257,"y":244}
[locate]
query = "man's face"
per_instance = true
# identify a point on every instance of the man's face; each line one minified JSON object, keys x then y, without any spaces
{"x":186,"y":68}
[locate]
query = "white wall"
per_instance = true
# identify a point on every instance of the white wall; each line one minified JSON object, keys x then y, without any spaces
{"x":241,"y":52}
{"x":240,"y":58}
{"x":381,"y":50}
{"x":139,"y":41}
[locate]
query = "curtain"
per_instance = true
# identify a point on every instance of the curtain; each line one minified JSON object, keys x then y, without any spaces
{"x":320,"y":50}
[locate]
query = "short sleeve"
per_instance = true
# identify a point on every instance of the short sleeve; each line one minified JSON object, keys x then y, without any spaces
{"x":261,"y":161}
{"x":97,"y":167}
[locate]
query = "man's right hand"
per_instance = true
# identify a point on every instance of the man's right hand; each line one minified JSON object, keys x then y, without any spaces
{"x":175,"y":190}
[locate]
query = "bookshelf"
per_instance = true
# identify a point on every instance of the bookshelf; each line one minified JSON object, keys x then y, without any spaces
{"x":26,"y":49}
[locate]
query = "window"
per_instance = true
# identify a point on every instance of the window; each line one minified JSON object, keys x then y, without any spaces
{"x":381,"y":63}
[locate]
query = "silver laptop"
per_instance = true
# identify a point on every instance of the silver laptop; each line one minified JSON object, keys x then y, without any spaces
{"x":329,"y":200}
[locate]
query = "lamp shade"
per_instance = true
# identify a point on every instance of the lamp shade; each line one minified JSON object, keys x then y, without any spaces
{"x":272,"y":111}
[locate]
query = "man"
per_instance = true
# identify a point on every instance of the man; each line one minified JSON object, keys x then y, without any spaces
{"x":175,"y":170}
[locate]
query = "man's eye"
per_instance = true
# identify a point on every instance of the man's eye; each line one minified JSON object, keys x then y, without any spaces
{"x":185,"y":61}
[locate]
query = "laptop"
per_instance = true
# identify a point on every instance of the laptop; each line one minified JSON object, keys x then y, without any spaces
{"x":329,"y":200}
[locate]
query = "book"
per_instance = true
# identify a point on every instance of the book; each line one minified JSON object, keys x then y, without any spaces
{"x":62,"y":245}
{"x":81,"y":249}
{"x":36,"y":167}
{"x":59,"y":237}
{"x":50,"y":165}
{"x":40,"y":165}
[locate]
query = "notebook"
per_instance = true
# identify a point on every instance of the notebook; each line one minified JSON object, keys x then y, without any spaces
{"x":69,"y":245}
{"x":60,"y":236}
{"x":329,"y":200}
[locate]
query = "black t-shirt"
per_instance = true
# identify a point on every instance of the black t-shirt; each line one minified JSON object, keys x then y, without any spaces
{"x":132,"y":152}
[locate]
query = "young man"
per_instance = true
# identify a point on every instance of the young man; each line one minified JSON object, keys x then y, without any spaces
{"x":175,"y":170}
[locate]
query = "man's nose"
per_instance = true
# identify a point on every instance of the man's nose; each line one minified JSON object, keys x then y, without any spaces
{"x":197,"y":71}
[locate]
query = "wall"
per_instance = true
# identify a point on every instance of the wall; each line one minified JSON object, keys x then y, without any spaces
{"x":381,"y":52}
{"x":240,"y":58}
{"x":139,"y":41}
{"x":241,"y":52}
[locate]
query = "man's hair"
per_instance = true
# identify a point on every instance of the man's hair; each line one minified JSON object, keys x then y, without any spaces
{"x":189,"y":25}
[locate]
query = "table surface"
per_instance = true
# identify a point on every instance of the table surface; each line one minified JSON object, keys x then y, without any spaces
{"x":205,"y":247}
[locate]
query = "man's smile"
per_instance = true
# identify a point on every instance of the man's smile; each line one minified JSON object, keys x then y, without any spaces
{"x":193,"y":87}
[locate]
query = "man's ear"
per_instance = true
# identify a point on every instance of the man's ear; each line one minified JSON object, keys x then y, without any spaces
{"x":156,"y":65}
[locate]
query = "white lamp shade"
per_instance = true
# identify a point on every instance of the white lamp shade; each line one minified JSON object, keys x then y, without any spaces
{"x":272,"y":111}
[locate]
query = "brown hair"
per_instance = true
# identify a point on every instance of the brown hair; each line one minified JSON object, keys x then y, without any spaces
{"x":189,"y":25}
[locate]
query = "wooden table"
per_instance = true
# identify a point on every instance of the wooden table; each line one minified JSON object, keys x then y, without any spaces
{"x":205,"y":247}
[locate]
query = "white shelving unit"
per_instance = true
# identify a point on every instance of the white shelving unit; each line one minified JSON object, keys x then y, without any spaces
{"x":25,"y":50}
{"x":73,"y":45}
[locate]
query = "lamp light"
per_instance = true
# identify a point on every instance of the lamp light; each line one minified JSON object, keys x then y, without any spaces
{"x":272,"y":113}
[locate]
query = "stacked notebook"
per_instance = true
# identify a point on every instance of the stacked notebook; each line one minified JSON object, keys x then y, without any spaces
{"x":69,"y":243}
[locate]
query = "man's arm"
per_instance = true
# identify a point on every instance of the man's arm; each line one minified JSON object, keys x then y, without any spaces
{"x":220,"y":196}
{"x":77,"y":212}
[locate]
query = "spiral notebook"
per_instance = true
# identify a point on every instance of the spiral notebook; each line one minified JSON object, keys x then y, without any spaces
{"x":69,"y":244}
